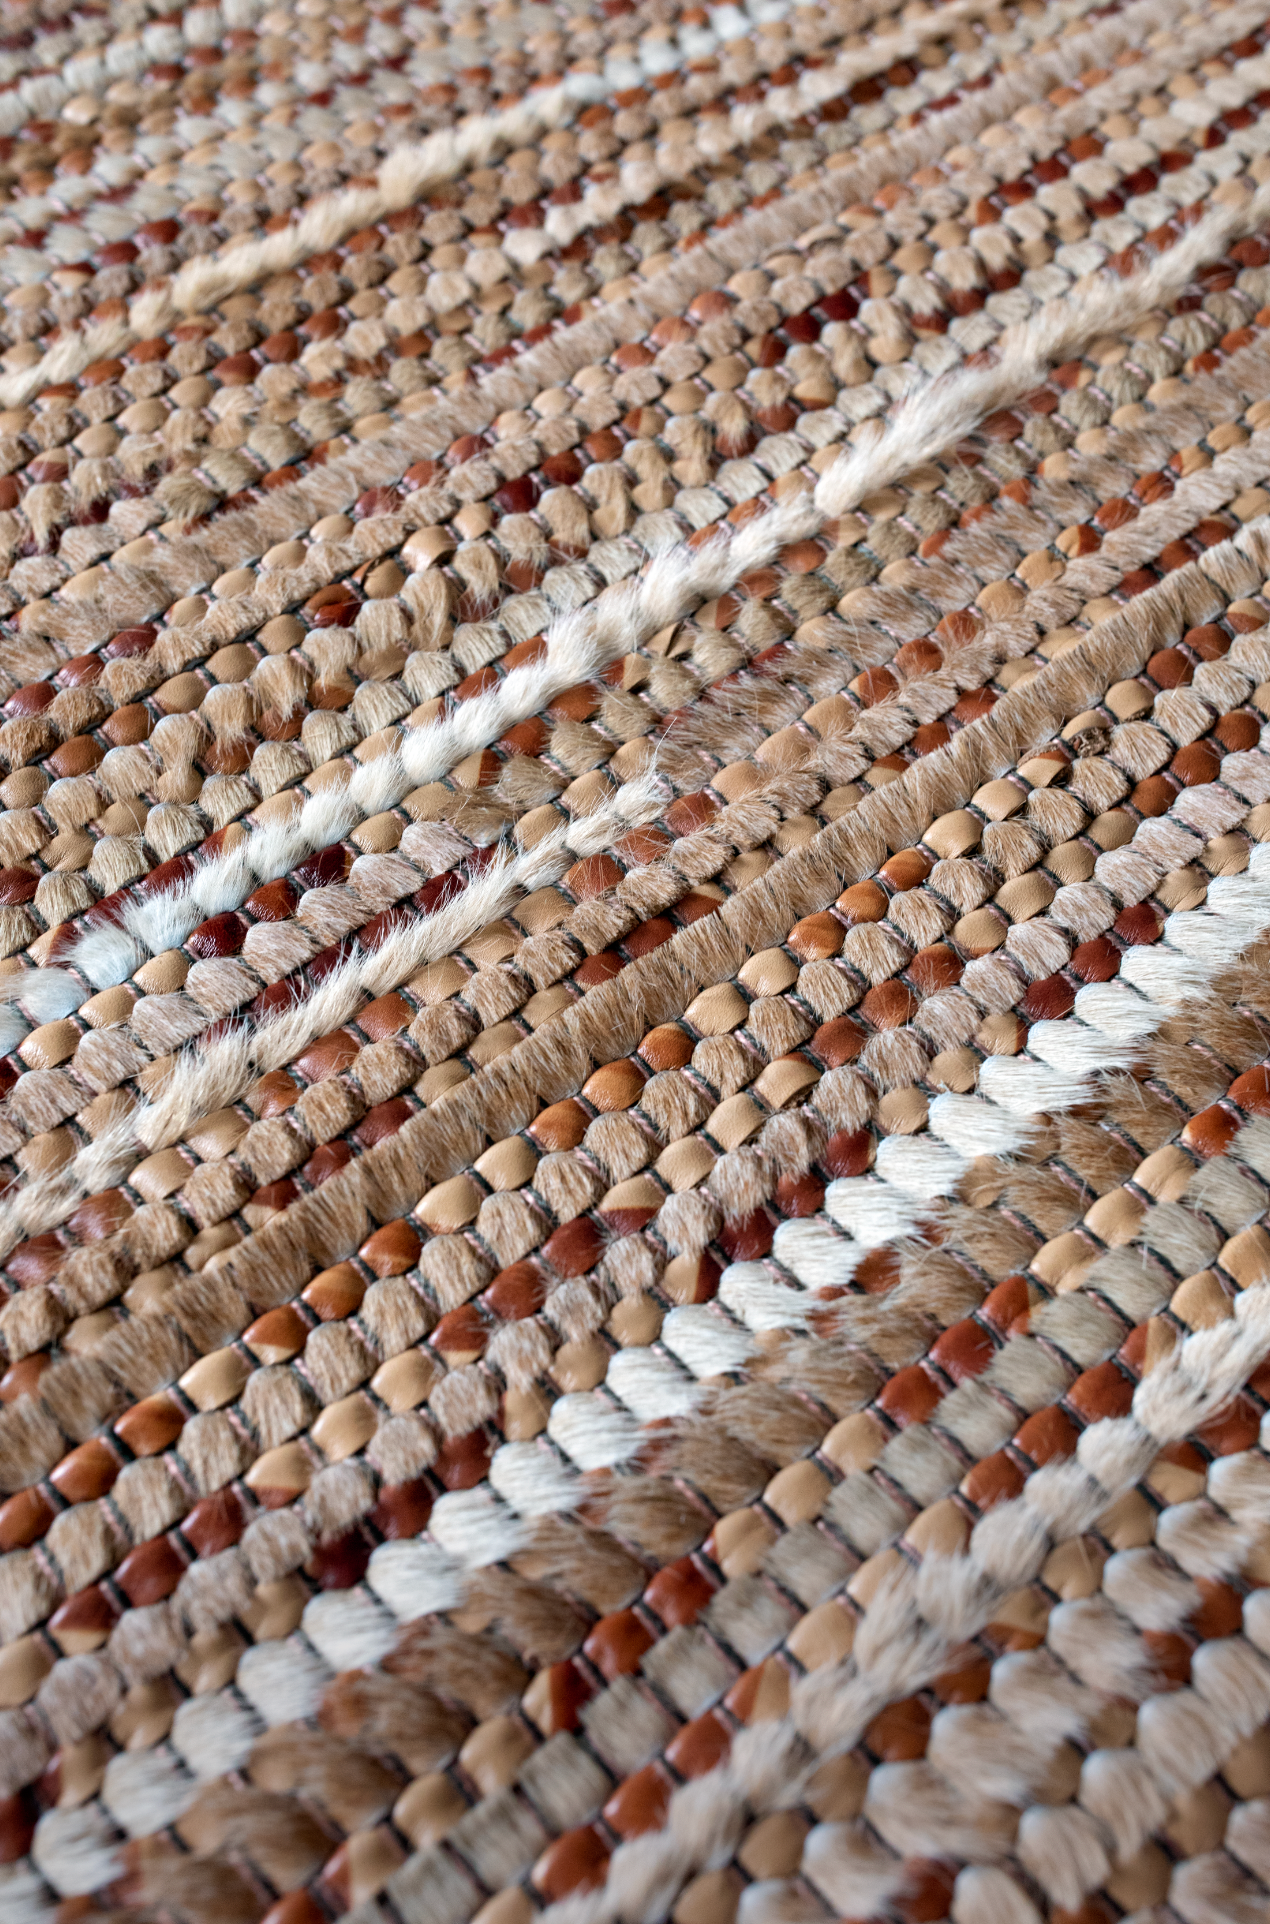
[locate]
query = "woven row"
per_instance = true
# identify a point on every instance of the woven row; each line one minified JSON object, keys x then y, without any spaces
{"x":632,"y":889}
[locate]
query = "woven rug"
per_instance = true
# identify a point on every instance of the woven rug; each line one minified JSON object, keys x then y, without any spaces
{"x":635,"y":984}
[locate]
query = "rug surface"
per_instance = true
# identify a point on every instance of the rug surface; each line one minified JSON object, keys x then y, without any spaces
{"x":635,"y":962}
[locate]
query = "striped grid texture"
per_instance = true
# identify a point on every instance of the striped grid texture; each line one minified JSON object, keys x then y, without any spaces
{"x":635,"y":962}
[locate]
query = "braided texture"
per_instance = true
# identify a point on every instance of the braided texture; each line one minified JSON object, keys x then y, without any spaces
{"x":634,"y":959}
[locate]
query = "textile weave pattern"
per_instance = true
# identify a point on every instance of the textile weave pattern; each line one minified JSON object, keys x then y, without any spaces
{"x":635,"y":962}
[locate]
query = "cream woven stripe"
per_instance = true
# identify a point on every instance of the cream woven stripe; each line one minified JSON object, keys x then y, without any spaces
{"x":243,"y":535}
{"x":579,"y":644}
{"x":1236,"y":897}
{"x":204,"y":1080}
{"x":1065,"y":679}
{"x":480,"y":721}
{"x":404,"y":177}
